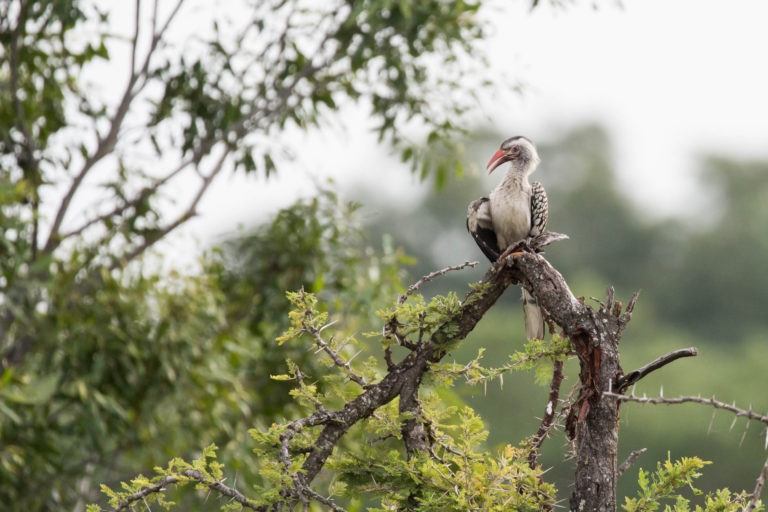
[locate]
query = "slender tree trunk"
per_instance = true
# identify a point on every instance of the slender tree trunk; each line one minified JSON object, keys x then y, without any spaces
{"x":597,"y":422}
{"x":593,"y":419}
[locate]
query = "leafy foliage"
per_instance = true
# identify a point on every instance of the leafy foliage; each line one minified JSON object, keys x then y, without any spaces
{"x":458,"y":477}
{"x":456,"y":474}
{"x":107,"y":367}
{"x":535,"y":355}
{"x":204,"y":471}
{"x":104,"y":363}
{"x":664,"y":483}
{"x":126,"y":365}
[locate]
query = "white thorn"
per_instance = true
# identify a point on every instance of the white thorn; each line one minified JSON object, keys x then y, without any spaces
{"x":709,"y":429}
{"x":354,"y":356}
{"x":327,"y":325}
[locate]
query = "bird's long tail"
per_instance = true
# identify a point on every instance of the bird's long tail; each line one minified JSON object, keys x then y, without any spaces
{"x":534,"y":318}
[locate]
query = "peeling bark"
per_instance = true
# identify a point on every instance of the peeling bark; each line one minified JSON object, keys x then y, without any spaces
{"x":594,"y":418}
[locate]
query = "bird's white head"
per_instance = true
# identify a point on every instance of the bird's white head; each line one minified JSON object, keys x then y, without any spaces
{"x":520,"y":152}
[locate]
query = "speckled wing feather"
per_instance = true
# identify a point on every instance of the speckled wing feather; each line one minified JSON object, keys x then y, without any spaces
{"x":480,"y":226}
{"x":539,"y":209}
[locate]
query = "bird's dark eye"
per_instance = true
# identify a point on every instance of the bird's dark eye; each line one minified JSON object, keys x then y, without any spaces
{"x":515,"y":150}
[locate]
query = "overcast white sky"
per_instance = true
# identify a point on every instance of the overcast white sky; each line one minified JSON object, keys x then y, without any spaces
{"x":669,"y":79}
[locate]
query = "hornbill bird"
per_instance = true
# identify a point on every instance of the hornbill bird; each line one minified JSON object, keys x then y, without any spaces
{"x":514,"y":210}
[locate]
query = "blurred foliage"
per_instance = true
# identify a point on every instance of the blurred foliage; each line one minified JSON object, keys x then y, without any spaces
{"x":316,"y":245}
{"x":715,"y":286}
{"x":105,"y":364}
{"x":137,"y":368}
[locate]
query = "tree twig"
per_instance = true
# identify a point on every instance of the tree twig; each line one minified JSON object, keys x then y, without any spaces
{"x":107,"y":143}
{"x":631,"y":458}
{"x":415,"y":286}
{"x":143,"y":195}
{"x":334,"y":355}
{"x":758,"y":487}
{"x":634,"y":376}
{"x":194,"y":475}
{"x":695,"y":399}
{"x":187,"y":214}
{"x":549,"y":413}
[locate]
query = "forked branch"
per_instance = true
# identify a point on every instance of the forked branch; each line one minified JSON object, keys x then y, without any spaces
{"x":632,"y":377}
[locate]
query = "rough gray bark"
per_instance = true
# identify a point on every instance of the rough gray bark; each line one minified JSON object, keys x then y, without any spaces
{"x":594,"y":335}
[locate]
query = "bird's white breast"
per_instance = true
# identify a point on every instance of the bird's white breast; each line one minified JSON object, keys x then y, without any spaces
{"x":510,"y":204}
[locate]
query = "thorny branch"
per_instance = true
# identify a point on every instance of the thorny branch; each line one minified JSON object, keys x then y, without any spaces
{"x":758,"y":487}
{"x":549,"y":414}
{"x":695,"y":399}
{"x":415,"y":286}
{"x":183,"y":476}
{"x":334,"y":354}
{"x":404,"y":377}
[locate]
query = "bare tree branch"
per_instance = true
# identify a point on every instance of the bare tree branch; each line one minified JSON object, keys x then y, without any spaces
{"x":758,"y":487}
{"x":631,"y":458}
{"x":549,"y":413}
{"x":144,"y":194}
{"x":634,"y":376}
{"x":695,"y":399}
{"x":107,"y":143}
{"x":415,"y":286}
{"x":135,"y":40}
{"x":13,"y":60}
{"x":187,"y":214}
{"x":594,"y":336}
{"x":624,"y":319}
{"x":26,"y":155}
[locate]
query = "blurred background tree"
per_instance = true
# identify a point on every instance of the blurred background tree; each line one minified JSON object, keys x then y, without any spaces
{"x":109,"y":362}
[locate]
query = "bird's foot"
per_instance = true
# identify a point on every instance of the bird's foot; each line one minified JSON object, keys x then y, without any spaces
{"x":512,"y":251}
{"x":527,"y":244}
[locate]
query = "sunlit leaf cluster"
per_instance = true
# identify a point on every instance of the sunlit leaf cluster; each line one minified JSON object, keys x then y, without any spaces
{"x":536,"y":354}
{"x":665,"y":484}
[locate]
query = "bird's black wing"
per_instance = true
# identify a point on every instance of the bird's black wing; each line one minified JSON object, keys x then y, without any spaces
{"x":480,"y":226}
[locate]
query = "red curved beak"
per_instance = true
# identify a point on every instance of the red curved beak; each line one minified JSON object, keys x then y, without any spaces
{"x":498,"y":158}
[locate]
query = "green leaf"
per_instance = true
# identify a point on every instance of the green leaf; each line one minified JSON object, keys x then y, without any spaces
{"x":36,"y":392}
{"x":10,"y":413}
